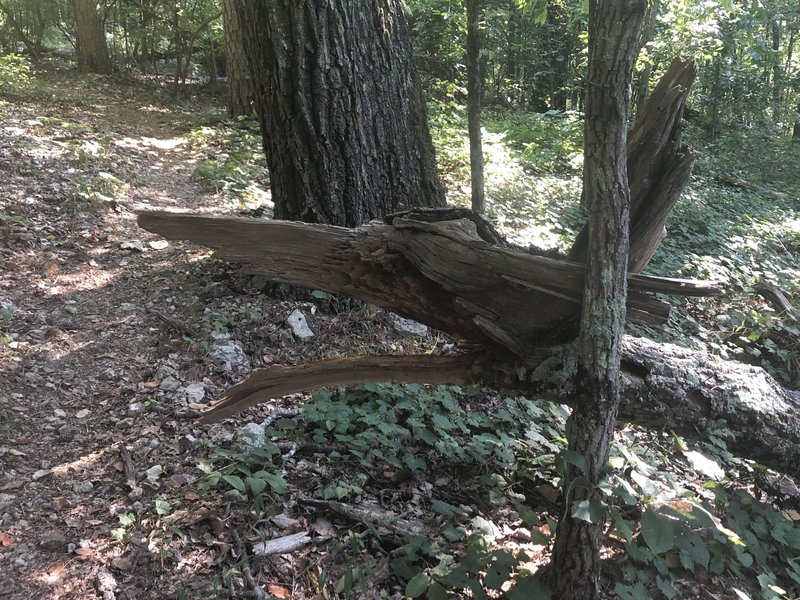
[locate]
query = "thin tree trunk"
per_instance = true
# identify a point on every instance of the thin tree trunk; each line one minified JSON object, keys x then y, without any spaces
{"x":642,"y":90}
{"x":614,"y":27}
{"x":343,"y":119}
{"x":474,"y":90}
{"x":240,"y":86}
{"x":90,"y":38}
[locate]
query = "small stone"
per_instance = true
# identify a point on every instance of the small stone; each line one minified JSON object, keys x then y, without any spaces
{"x":136,"y":493}
{"x":169,"y":384}
{"x":109,"y":374}
{"x":61,"y":414}
{"x":158,"y":244}
{"x":82,"y":487}
{"x":187,"y":441}
{"x":154,"y":473}
{"x":402,"y":325}
{"x":82,"y":414}
{"x":106,"y":584}
{"x":68,"y":374}
{"x":163,"y":371}
{"x":251,"y":435}
{"x":121,"y":563}
{"x":66,"y":433}
{"x":53,"y":541}
{"x":135,"y":409}
{"x":41,"y":473}
{"x":230,"y":354}
{"x":195,"y":392}
{"x":299,"y":326}
{"x":6,"y":500}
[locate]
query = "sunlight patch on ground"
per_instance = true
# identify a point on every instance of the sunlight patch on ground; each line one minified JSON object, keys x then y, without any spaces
{"x":523,"y":205}
{"x":145,"y":142}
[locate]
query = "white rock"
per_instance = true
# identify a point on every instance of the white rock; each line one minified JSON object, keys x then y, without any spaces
{"x":154,"y":473}
{"x":135,"y":408}
{"x":169,"y":384}
{"x":41,"y":473}
{"x":82,"y":487}
{"x":60,"y":413}
{"x":251,"y":435}
{"x":82,"y":414}
{"x":297,"y":322}
{"x":230,"y":353}
{"x":403,"y":325}
{"x":195,"y":392}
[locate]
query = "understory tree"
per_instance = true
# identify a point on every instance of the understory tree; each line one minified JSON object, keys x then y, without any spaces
{"x":614,"y":28}
{"x":344,"y":123}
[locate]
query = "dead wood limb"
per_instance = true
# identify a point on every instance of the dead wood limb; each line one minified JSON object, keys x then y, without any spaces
{"x":279,"y":380}
{"x":375,"y":516}
{"x":659,"y":166}
{"x":663,"y":386}
{"x":442,"y":274}
{"x":775,"y":296}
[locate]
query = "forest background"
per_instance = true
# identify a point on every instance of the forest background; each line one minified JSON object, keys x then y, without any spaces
{"x":738,"y":222}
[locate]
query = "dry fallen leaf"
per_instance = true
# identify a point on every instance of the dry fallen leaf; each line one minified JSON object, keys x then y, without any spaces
{"x":278,"y":591}
{"x":13,"y":485}
{"x":6,"y":539}
{"x":151,"y":385}
{"x":84,"y":553}
{"x":191,"y":495}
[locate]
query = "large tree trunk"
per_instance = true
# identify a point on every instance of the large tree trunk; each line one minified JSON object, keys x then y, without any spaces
{"x":614,"y":27}
{"x":90,"y":38}
{"x":474,"y":92}
{"x":343,"y":120}
{"x":417,"y":269}
{"x":240,"y":86}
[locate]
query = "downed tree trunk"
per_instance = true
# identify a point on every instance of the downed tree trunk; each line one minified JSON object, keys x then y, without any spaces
{"x":450,"y":270}
{"x":443,"y":274}
{"x":663,"y":386}
{"x":439,"y":273}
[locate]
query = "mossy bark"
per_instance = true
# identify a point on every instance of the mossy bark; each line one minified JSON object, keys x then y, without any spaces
{"x":614,"y":27}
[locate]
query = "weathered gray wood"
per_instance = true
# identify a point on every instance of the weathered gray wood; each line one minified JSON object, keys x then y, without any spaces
{"x":439,"y":273}
{"x":663,"y":387}
{"x":659,"y":166}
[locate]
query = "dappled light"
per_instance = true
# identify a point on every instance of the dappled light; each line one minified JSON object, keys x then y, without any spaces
{"x":199,"y":400}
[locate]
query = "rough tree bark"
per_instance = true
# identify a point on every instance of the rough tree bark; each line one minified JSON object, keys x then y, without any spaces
{"x":614,"y":27}
{"x":90,"y":37}
{"x":474,"y":92}
{"x":240,"y":86}
{"x":343,"y":120}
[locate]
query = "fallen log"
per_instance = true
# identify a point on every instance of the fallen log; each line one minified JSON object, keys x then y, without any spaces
{"x":426,"y":271}
{"x":450,"y":270}
{"x":663,"y":386}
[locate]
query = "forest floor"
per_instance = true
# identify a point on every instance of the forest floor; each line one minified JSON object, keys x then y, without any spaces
{"x":112,"y":342}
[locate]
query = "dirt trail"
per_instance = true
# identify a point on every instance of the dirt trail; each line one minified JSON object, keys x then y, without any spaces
{"x":78,"y":315}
